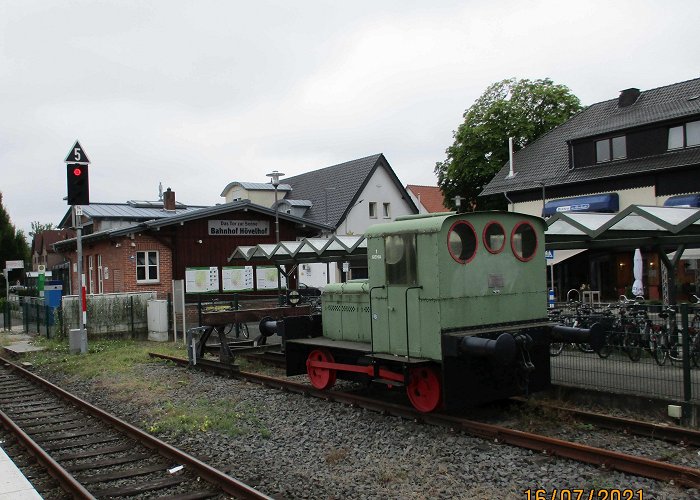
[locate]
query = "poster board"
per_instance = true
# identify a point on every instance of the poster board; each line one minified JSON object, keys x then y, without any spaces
{"x":201,"y":279}
{"x":237,"y":278}
{"x":266,"y":278}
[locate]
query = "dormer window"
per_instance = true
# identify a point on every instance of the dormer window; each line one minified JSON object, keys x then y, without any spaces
{"x":684,"y":136}
{"x":613,"y":148}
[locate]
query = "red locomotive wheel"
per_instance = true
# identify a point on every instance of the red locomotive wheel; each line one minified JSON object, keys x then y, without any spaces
{"x":321,"y":378}
{"x":424,"y":388}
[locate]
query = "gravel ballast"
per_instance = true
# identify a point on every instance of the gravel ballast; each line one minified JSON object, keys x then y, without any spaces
{"x":291,"y":446}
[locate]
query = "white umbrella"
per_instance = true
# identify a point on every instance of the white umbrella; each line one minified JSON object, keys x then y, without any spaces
{"x":637,"y":286}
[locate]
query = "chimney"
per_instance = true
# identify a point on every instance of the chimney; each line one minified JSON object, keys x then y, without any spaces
{"x":628,"y":97}
{"x":169,"y":200}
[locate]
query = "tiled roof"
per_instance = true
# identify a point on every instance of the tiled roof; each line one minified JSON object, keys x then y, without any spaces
{"x":547,"y":159}
{"x":430,"y":197}
{"x":339,"y":185}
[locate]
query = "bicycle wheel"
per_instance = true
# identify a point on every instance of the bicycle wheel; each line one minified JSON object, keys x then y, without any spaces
{"x":695,"y":356}
{"x":585,"y":348}
{"x":634,"y":352}
{"x":604,"y":351}
{"x":555,"y":348}
{"x":631,"y":345}
{"x":658,"y":352}
{"x":675,"y":353}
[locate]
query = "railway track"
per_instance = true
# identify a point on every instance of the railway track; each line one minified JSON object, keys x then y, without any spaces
{"x":93,"y":454}
{"x":631,"y":464}
{"x":671,"y":434}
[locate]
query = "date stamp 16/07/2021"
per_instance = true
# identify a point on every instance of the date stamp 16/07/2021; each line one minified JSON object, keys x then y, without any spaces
{"x":583,"y":494}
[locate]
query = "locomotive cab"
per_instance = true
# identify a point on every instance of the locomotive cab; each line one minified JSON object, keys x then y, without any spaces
{"x":455,"y":310}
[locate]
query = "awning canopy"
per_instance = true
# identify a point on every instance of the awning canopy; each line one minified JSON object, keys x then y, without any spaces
{"x":609,"y":203}
{"x":683,"y":200}
{"x":690,"y":254}
{"x":635,"y":227}
{"x":332,"y":249}
{"x":562,"y":255}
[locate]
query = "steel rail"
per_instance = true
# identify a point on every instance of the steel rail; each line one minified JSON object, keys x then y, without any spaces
{"x":670,"y":433}
{"x":68,"y":483}
{"x":631,"y":464}
{"x":226,"y":483}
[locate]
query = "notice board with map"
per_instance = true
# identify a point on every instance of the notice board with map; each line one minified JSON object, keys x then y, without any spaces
{"x":201,"y":279}
{"x":266,"y":278}
{"x":237,"y":278}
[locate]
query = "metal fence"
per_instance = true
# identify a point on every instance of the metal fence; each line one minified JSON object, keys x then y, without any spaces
{"x":649,"y":351}
{"x":30,"y":314}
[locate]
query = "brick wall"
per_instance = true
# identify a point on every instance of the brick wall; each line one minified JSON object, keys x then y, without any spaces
{"x":119,"y":266}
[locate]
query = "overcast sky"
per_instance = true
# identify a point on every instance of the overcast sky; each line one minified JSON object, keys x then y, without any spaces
{"x":201,"y":93}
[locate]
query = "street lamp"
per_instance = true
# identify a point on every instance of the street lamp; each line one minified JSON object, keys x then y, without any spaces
{"x":275,"y":181}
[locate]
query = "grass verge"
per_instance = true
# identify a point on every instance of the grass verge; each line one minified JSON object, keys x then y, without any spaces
{"x":115,"y":367}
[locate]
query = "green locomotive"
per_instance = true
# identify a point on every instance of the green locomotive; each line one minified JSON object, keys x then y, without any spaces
{"x":455,"y":310}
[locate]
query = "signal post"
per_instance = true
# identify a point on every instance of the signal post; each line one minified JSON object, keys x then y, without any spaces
{"x":77,"y":163}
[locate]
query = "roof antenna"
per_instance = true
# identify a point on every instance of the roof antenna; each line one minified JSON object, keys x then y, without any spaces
{"x":160,"y":191}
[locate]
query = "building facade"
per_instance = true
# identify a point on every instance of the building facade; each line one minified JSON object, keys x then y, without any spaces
{"x":642,"y":148}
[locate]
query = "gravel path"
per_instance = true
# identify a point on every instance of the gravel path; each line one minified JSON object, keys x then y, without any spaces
{"x":291,"y":447}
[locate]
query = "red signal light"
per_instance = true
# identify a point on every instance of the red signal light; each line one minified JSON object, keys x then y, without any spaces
{"x":78,"y":185}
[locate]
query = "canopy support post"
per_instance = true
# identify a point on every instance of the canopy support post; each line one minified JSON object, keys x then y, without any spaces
{"x":668,"y":284}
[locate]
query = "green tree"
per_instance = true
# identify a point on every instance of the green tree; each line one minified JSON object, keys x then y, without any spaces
{"x":522,"y":109}
{"x":13,"y":244}
{"x":38,"y":227}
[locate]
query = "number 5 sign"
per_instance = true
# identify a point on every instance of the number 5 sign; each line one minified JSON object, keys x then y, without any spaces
{"x":77,"y":155}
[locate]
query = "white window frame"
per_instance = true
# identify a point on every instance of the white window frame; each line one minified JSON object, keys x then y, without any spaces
{"x":91,"y":280}
{"x":100,"y":282}
{"x":372,"y":209}
{"x":146,"y":266}
{"x":684,"y":136}
{"x":609,"y":142}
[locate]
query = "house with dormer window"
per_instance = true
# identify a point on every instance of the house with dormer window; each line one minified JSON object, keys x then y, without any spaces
{"x":642,"y":148}
{"x":348,"y":197}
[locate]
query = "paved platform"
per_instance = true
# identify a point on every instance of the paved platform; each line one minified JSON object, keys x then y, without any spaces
{"x":13,"y":484}
{"x":20,"y":343}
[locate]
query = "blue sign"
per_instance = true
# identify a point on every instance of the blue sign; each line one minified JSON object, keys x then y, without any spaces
{"x":549,"y":254}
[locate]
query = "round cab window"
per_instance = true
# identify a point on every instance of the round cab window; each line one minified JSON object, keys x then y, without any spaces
{"x":523,"y":241}
{"x":494,"y":237}
{"x":462,"y":241}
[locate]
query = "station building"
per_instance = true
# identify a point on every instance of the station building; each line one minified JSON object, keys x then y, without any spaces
{"x":143,"y":246}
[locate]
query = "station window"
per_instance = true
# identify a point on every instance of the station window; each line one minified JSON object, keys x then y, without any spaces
{"x":494,"y":237}
{"x":400,"y":259}
{"x":462,"y":241}
{"x":523,"y":241}
{"x":146,"y":266}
